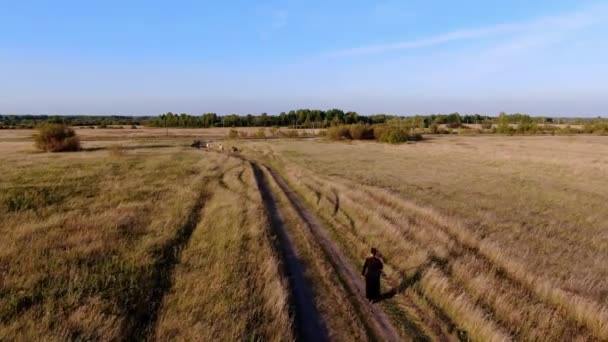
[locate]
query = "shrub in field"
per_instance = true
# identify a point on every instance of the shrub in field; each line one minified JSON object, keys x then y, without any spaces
{"x":434,"y":128}
{"x":551,"y":129}
{"x":505,"y":129}
{"x":260,"y":134}
{"x":322,"y":133}
{"x":379,"y":130}
{"x":338,"y":132}
{"x":361,"y":132}
{"x":503,"y":126}
{"x":601,"y":128}
{"x":382,"y":133}
{"x":56,"y":138}
{"x":391,"y":135}
{"x":527,"y":127}
{"x":394,"y":136}
{"x":233,"y":133}
{"x":569,"y":130}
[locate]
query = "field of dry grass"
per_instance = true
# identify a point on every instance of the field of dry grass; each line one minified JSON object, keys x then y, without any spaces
{"x":143,"y":133}
{"x":142,"y":237}
{"x":228,"y":270}
{"x":134,"y":242}
{"x":502,"y":237}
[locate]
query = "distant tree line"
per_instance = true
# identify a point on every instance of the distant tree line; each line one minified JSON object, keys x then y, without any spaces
{"x":301,"y":118}
{"x":31,"y":121}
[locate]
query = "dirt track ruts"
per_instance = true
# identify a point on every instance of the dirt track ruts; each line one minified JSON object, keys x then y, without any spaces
{"x":144,"y":317}
{"x":308,"y":321}
{"x":377,"y":319}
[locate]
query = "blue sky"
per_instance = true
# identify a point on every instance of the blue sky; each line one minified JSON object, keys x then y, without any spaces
{"x":384,"y":56}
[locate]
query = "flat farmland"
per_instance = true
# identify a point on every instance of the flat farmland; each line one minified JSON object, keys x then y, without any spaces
{"x":509,"y":236}
{"x":138,"y":236}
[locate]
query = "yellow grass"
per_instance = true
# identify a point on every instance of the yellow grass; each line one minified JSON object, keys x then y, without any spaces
{"x":98,"y":134}
{"x":139,"y":236}
{"x":91,"y":238}
{"x":229,"y":270}
{"x":525,"y":214}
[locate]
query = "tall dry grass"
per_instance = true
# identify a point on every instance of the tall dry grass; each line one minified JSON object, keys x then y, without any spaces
{"x":404,"y":260}
{"x":79,"y":263}
{"x":513,"y":274}
{"x":229,"y":270}
{"x":91,"y":240}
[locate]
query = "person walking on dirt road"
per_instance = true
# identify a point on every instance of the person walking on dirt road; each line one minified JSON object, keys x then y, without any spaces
{"x":372,"y":270}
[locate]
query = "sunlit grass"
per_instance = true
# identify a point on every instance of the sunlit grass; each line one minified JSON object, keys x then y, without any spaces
{"x":514,"y":220}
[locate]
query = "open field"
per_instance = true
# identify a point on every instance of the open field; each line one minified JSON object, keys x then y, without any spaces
{"x":508,"y":237}
{"x":485,"y":238}
{"x":141,"y":133}
{"x":91,"y":244}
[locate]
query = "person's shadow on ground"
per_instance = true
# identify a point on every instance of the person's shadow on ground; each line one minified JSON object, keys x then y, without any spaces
{"x":403,"y":285}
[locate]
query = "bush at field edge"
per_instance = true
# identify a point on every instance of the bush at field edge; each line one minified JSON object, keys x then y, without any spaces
{"x":56,"y":138}
{"x":382,"y":133}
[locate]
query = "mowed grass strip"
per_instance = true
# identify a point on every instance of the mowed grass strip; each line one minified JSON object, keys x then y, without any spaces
{"x":81,"y":233}
{"x":228,"y":284}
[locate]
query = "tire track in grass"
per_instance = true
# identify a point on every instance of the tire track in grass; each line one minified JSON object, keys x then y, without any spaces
{"x":142,"y":321}
{"x":309,"y":325}
{"x":443,"y":326}
{"x":380,"y":323}
{"x":463,"y":249}
{"x":471,"y":248}
{"x":403,"y":303}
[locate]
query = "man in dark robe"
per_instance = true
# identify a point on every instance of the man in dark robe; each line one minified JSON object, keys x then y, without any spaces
{"x":372,"y":270}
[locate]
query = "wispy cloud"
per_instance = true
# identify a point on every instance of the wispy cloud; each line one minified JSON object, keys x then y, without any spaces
{"x":567,"y":21}
{"x":277,"y":22}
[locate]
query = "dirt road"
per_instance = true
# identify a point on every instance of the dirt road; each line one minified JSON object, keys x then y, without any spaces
{"x":309,"y":325}
{"x":377,"y":320}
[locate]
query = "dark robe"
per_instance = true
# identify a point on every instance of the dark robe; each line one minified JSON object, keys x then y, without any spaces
{"x":372,"y":269}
